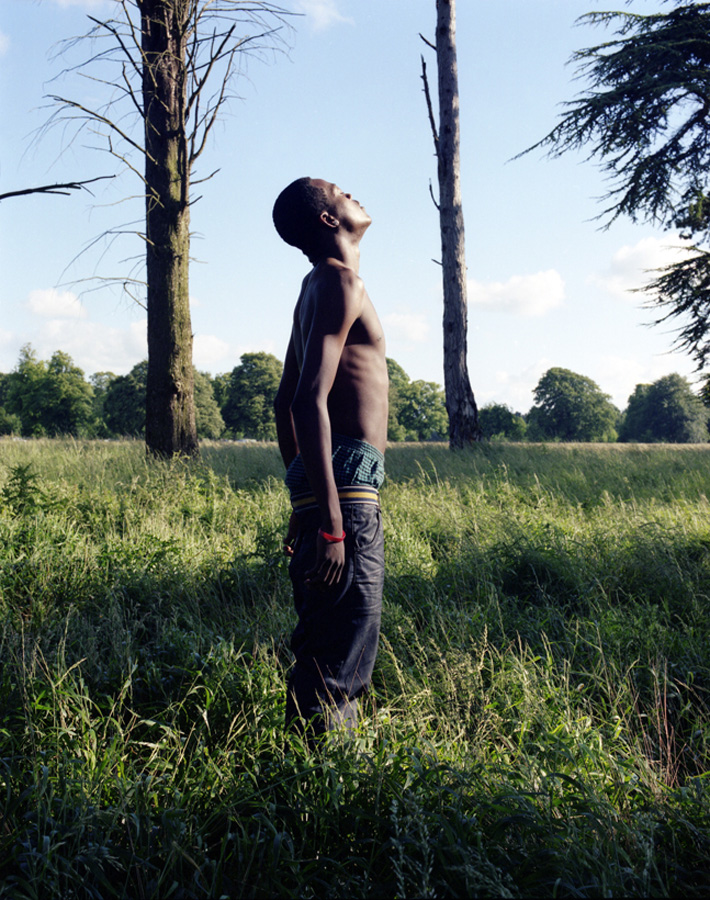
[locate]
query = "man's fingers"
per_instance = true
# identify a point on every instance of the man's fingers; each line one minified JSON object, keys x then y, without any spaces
{"x":326,"y":574}
{"x":291,"y":535}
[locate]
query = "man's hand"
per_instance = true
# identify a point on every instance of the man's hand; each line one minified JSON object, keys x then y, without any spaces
{"x":291,"y":535}
{"x":330,"y":562}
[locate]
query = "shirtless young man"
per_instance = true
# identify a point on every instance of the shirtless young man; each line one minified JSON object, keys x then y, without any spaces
{"x":331,"y":419}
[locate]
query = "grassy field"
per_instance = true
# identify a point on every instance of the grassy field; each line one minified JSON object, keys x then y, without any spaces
{"x":540,"y":719}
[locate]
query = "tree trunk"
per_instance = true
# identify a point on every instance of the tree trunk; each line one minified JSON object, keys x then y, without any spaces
{"x":170,"y":413}
{"x":460,"y":402}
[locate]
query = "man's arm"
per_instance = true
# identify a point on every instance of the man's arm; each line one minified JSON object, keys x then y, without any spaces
{"x":285,"y":431}
{"x":338,"y":298}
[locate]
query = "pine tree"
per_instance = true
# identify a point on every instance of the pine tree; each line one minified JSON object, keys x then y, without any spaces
{"x":645,"y":118}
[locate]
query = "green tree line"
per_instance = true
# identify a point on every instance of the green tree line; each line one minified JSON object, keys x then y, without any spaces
{"x":572,"y":407}
{"x":48,"y":398}
{"x":54,"y":397}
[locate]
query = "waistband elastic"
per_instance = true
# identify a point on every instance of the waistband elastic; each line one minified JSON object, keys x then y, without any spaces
{"x":355,"y":493}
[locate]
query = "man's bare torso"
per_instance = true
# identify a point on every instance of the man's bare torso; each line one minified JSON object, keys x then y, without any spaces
{"x":358,"y":402}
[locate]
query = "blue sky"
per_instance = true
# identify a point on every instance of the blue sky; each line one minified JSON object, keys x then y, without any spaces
{"x":547,"y":287}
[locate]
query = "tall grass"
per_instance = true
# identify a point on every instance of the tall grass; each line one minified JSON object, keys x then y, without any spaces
{"x":539,"y":722}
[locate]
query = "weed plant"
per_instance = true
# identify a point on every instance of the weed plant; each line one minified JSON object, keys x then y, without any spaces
{"x":539,"y":723}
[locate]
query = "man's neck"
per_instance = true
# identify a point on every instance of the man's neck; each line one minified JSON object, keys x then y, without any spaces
{"x":344,"y":251}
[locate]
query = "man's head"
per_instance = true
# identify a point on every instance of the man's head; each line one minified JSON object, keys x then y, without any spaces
{"x":310,"y":209}
{"x":297,"y":212}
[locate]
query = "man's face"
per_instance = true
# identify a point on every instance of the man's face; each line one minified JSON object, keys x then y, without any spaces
{"x":351,"y":215}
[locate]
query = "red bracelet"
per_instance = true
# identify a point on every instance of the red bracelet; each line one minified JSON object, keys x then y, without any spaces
{"x":331,"y":538}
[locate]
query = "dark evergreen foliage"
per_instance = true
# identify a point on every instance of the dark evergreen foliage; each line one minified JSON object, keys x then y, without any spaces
{"x":646,"y":118}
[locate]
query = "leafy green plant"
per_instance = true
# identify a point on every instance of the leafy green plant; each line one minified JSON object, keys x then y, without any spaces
{"x":21,"y":492}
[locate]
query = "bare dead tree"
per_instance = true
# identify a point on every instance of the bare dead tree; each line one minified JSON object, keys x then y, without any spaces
{"x":62,"y":188}
{"x":171,"y":66}
{"x":460,"y":403}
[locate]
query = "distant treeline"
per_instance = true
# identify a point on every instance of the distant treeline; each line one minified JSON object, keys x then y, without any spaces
{"x":53,"y":397}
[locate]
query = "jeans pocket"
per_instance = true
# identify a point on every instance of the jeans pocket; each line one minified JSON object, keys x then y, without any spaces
{"x":368,"y":544}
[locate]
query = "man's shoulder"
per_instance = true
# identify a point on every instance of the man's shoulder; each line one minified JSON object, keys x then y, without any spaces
{"x":334,"y":273}
{"x":334,"y":284}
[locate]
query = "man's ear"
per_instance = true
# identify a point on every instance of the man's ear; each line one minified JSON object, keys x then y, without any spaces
{"x":328,"y":219}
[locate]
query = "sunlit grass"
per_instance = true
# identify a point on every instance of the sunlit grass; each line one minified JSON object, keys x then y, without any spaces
{"x":539,"y":723}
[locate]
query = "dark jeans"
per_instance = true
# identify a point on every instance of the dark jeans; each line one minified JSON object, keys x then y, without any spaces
{"x":335,"y":640}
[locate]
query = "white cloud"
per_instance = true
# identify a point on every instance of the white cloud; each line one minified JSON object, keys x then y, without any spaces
{"x":54,"y":304}
{"x":632,"y":266}
{"x":4,"y":42}
{"x":522,"y":295}
{"x":411,"y":327}
{"x":94,"y":347}
{"x":321,"y":14}
{"x":207,"y":349}
{"x":212,"y":354}
{"x":618,"y":376}
{"x":516,"y":387}
{"x":615,"y":375}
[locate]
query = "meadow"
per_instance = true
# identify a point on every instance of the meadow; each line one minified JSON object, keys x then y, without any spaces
{"x":539,"y":723}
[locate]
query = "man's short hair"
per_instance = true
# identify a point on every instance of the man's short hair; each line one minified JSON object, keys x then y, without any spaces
{"x":297,"y":212}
